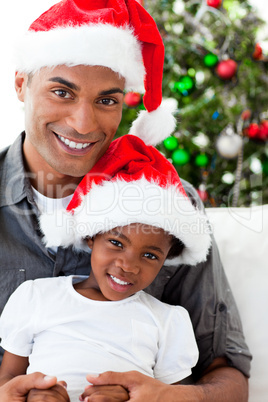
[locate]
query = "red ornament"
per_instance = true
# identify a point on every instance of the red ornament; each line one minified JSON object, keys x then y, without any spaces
{"x":226,"y":69}
{"x":257,"y":54}
{"x":246,"y":114}
{"x":132,"y":99}
{"x":214,"y":3}
{"x":263,"y":130}
{"x":257,"y":132}
{"x":253,"y":130}
{"x":202,"y":194}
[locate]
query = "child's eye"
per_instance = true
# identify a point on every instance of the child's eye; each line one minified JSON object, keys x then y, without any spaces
{"x":116,"y":243}
{"x":150,"y":256}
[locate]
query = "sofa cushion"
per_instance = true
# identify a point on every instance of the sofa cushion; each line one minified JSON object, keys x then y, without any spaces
{"x":242,"y":238}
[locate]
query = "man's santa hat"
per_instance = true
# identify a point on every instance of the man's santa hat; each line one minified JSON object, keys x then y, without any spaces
{"x":131,"y":183}
{"x":118,"y":34}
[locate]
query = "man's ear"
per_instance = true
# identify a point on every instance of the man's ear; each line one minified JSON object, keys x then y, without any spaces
{"x":20,"y":85}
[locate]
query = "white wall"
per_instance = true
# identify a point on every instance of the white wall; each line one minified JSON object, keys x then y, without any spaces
{"x":15,"y":18}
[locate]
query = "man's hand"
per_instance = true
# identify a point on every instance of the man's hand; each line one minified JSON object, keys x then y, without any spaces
{"x":141,"y":388}
{"x":57,"y":393}
{"x":105,"y":393}
{"x":220,"y":383}
{"x":17,"y":389}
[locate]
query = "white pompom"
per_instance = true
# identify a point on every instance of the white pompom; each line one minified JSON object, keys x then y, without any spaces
{"x":155,"y":126}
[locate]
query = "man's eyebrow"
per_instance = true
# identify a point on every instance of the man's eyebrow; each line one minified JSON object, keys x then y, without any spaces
{"x":112,"y":91}
{"x":73,"y":86}
{"x":62,"y":81}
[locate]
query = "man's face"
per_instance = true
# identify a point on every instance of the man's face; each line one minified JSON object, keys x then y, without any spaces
{"x":71,"y":117}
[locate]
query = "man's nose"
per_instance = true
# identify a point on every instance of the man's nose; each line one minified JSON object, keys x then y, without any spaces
{"x":82,"y":118}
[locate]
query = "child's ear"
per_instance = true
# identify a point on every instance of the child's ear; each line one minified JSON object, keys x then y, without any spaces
{"x":90,"y":242}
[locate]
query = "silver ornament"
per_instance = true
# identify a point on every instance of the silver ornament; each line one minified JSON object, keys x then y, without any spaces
{"x":229,"y":143}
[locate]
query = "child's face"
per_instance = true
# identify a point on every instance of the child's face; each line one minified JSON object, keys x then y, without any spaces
{"x":128,"y":258}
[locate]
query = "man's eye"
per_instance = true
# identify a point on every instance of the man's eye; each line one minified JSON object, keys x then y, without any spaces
{"x":150,"y":256}
{"x":107,"y":101}
{"x":116,"y":243}
{"x":63,"y":94}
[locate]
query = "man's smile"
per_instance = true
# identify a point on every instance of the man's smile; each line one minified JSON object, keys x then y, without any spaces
{"x":73,"y":144}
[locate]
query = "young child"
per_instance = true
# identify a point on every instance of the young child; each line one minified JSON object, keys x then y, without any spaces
{"x":132,"y":212}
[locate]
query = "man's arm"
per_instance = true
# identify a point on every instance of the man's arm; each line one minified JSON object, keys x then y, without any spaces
{"x":220,"y":383}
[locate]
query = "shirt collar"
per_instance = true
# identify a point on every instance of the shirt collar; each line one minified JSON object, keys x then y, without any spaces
{"x":14,"y":183}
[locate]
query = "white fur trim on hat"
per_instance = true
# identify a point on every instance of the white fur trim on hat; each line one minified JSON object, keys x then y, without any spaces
{"x":153,"y":127}
{"x":119,"y":204}
{"x":96,"y":44}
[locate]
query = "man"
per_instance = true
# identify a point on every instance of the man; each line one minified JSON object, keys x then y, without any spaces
{"x":72,"y":69}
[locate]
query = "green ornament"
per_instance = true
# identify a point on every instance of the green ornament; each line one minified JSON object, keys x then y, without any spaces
{"x":180,"y":157}
{"x":191,"y":72}
{"x":265,"y":167}
{"x":210,"y":60}
{"x":171,"y":143}
{"x":201,"y":160}
{"x":184,"y":86}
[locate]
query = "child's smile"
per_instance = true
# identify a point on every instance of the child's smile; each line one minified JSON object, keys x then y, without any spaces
{"x":125,"y":260}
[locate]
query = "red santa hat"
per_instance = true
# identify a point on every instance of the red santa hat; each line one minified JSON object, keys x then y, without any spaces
{"x":119,"y":34}
{"x":131,"y":183}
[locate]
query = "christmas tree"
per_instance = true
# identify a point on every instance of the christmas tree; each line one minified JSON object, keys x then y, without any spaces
{"x":217,"y":73}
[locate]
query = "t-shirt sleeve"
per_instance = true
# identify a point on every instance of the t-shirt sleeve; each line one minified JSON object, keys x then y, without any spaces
{"x":178,"y":351}
{"x":17,"y":319}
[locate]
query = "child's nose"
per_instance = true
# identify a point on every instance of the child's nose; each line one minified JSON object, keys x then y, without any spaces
{"x":128,"y":263}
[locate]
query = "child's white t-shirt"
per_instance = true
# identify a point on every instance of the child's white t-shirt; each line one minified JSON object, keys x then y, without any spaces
{"x":47,"y":205}
{"x":67,"y":335}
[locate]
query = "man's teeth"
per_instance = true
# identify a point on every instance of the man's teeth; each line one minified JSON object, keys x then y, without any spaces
{"x":116,"y":280}
{"x":74,"y":145}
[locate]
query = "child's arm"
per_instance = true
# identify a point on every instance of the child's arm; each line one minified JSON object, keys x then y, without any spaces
{"x":12,"y":366}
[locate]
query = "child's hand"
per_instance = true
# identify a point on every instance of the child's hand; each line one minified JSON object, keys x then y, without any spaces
{"x":57,"y":393}
{"x":107,"y":393}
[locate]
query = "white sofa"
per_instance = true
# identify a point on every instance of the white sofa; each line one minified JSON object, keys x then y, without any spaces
{"x":242,"y":237}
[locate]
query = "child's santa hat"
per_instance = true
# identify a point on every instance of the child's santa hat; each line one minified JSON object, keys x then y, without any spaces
{"x":118,"y":34}
{"x":131,"y":183}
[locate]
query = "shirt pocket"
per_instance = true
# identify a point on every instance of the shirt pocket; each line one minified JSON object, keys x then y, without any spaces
{"x":10,"y":279}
